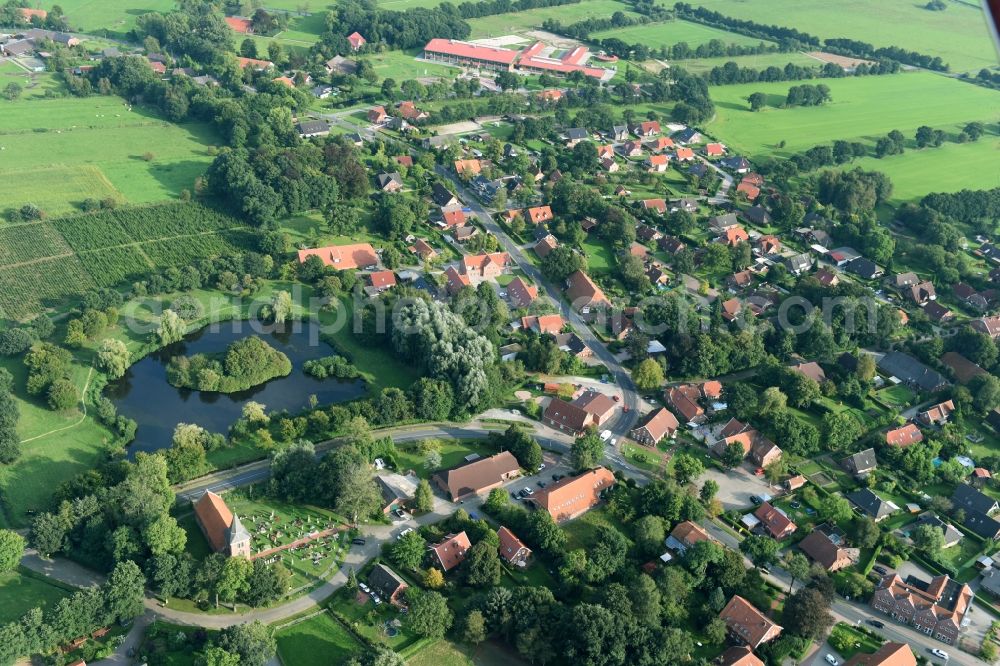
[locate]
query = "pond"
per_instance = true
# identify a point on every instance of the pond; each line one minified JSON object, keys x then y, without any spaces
{"x":144,"y":394}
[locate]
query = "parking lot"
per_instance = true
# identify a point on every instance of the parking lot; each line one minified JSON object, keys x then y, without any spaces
{"x":736,"y":486}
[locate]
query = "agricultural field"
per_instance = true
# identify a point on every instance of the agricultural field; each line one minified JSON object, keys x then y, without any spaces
{"x":526,"y":21}
{"x":115,"y":17}
{"x":656,"y":35}
{"x":44,"y":262}
{"x":959,"y":35}
{"x":318,"y":641}
{"x":862,"y":109}
{"x":759,"y":61}
{"x":129,"y":155}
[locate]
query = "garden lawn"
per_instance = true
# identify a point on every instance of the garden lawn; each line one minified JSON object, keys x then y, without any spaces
{"x":52,"y":139}
{"x":959,"y":35}
{"x":599,"y":255}
{"x":368,"y":620}
{"x":453,"y":453}
{"x":582,"y":531}
{"x":657,"y":35}
{"x":318,"y":641}
{"x":403,"y":65}
{"x":859,"y":643}
{"x":898,"y":395}
{"x":862,"y":109}
{"x":23,"y":590}
{"x":526,"y":21}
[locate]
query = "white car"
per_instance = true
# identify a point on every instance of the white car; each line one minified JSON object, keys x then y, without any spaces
{"x":364,"y":588}
{"x":606,"y":435}
{"x":830,"y":659}
{"x":940,"y":654}
{"x":528,"y":492}
{"x":403,"y":533}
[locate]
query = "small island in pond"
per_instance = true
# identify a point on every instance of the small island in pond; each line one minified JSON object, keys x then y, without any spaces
{"x":246,"y":363}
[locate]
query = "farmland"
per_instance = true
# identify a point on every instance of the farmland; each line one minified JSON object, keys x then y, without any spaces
{"x":656,"y":35}
{"x":50,"y":140}
{"x":862,"y":109}
{"x":519,"y":22}
{"x":959,"y":35}
{"x":117,"y":17}
{"x":319,"y":640}
{"x":42,"y":262}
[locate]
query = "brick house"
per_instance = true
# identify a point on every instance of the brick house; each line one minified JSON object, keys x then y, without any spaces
{"x":935,"y":608}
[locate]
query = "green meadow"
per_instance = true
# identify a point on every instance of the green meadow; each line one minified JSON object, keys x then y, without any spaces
{"x":519,"y":22}
{"x":656,"y":35}
{"x":759,"y":61}
{"x":118,"y":16}
{"x":57,"y":152}
{"x":318,"y":641}
{"x":959,"y":34}
{"x":862,"y":109}
{"x":23,"y":590}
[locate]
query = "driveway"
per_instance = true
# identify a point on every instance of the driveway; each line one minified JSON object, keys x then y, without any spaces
{"x":736,"y":486}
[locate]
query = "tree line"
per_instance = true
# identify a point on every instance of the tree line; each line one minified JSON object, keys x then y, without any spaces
{"x":731,"y":73}
{"x":791,"y":36}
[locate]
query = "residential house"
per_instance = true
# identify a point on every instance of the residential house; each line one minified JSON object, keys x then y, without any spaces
{"x":685,"y":535}
{"x":715,"y":149}
{"x":721,"y":223}
{"x":540,"y":214}
{"x":906,"y":280}
{"x":646,"y":233}
{"x":397,"y":491}
{"x":389,"y":182}
{"x":912,"y":372}
{"x":773,"y":522}
{"x":988,"y":326}
{"x":937,"y":312}
{"x":423,"y":249}
{"x":575,"y":135}
{"x":684,"y":154}
{"x":660,"y":144}
{"x":583,"y":293}
{"x":731,"y":309}
{"x":979,"y":477}
{"x":795,"y":482}
{"x":551,"y":95}
{"x":310,"y":128}
{"x":546,"y":245}
{"x":657,"y":163}
{"x":479,"y":476}
{"x":619,"y":133}
{"x":751,"y":192}
{"x":467,"y":167}
{"x":736,"y":163}
{"x":865,"y":268}
{"x":410,"y":112}
{"x":222,"y":528}
{"x":798,"y":263}
{"x":483,"y":267}
{"x":356,"y":41}
{"x":922,"y":293}
{"x":252,"y":63}
{"x":952,"y":536}
{"x":860,"y":464}
{"x":935,"y":608}
{"x":810,"y":369}
{"x":450,"y":551}
{"x":572,"y":344}
{"x":890,"y":654}
{"x":828,"y":552}
{"x":971,"y":499}
{"x":938,"y":414}
{"x":463,"y":233}
{"x":520,"y":293}
{"x":738,"y":655}
{"x":671,"y":244}
{"x":747,"y":625}
{"x":631,"y":149}
{"x":764,"y":452}
{"x":658,"y":276}
{"x":733,"y":236}
{"x":872,"y":505}
{"x":684,"y":400}
{"x":757,"y":215}
{"x":379,"y":281}
{"x":606,"y":151}
{"x":341,"y":65}
{"x":377,"y":115}
{"x":658,"y":425}
{"x":573,"y":496}
{"x":386,"y":583}
{"x":739,"y":281}
{"x":827,"y":277}
{"x":512,"y":550}
{"x":657,"y":205}
{"x":646,"y":128}
{"x":550,"y":324}
{"x":442,"y":197}
{"x":688,"y":205}
{"x":687,"y":135}
{"x":344,"y":257}
{"x":904,"y":436}
{"x":639,"y":250}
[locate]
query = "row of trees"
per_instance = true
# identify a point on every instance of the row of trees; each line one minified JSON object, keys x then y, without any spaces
{"x":731,"y":73}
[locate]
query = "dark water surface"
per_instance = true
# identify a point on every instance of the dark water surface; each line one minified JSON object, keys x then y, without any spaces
{"x":145,"y":395}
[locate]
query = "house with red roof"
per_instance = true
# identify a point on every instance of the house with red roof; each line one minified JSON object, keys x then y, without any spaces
{"x":454,"y":217}
{"x":551,"y":95}
{"x":450,"y":551}
{"x":658,"y":205}
{"x":657,"y":163}
{"x":244,"y":26}
{"x":540,"y":214}
{"x":222,"y":528}
{"x":377,"y":115}
{"x":659,"y":144}
{"x":512,"y":550}
{"x":906,"y":436}
{"x":747,"y":625}
{"x":344,"y":257}
{"x":356,"y":40}
{"x":423,"y":249}
{"x":773,"y":522}
{"x":659,"y":425}
{"x":733,"y":236}
{"x":715,"y":150}
{"x":750,"y":191}
{"x":409,"y":111}
{"x":456,"y":52}
{"x":684,"y":154}
{"x":646,"y":128}
{"x":546,"y":245}
{"x":379,"y":281}
{"x":28,"y":13}
{"x":583,"y":293}
{"x":938,"y":414}
{"x":551,"y":324}
{"x":520,"y":293}
{"x":254,"y":63}
{"x":684,"y":400}
{"x":573,"y":496}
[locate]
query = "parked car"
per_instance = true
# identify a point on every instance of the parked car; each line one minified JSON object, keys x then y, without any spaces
{"x":755,"y":499}
{"x":358,"y":542}
{"x":830,"y":659}
{"x":528,"y":491}
{"x":880,"y":569}
{"x":878,"y":624}
{"x":541,"y":484}
{"x":364,"y":588}
{"x":759,"y":471}
{"x":940,"y":654}
{"x":605,"y":435}
{"x":403,"y":533}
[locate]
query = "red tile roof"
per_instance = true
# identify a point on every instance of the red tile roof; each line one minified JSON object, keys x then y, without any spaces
{"x":383,"y":279}
{"x":255,"y":63}
{"x":521,"y":293}
{"x":215,"y":519}
{"x":739,"y":655}
{"x":453,"y":218}
{"x":890,"y":654}
{"x":583,"y":292}
{"x":573,"y":496}
{"x":777,"y":524}
{"x":905,"y":436}
{"x":343,"y":257}
{"x":511,"y":548}
{"x":451,"y":550}
{"x":356,"y":40}
{"x":539,"y":214}
{"x":748,"y":624}
{"x":460,"y":49}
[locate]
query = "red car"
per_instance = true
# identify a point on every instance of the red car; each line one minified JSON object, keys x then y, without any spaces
{"x":759,"y":471}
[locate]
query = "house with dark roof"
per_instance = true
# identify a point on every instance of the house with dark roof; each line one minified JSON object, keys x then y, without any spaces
{"x":798,"y":263}
{"x":865,"y":268}
{"x":952,"y":536}
{"x":386,"y":583}
{"x":442,"y":196}
{"x":479,"y":476}
{"x":747,"y":625}
{"x":389,"y":182}
{"x":222,"y":528}
{"x":971,"y":499}
{"x":911,"y":371}
{"x":860,"y":464}
{"x":736,"y":163}
{"x":871,"y":504}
